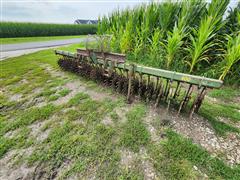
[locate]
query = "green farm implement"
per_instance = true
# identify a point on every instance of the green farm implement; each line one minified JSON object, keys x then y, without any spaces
{"x":182,"y":91}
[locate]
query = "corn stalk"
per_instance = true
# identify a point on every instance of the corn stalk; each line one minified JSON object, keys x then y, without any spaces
{"x":232,"y":54}
{"x":174,"y":43}
{"x":175,"y":38}
{"x":202,"y":39}
{"x":154,"y":47}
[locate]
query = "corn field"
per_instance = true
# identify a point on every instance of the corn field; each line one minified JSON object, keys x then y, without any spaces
{"x":18,"y":29}
{"x":190,"y":36}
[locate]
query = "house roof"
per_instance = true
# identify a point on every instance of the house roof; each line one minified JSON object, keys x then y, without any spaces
{"x":84,"y":21}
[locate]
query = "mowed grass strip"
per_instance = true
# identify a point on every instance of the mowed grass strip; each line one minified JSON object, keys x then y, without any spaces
{"x":36,"y":39}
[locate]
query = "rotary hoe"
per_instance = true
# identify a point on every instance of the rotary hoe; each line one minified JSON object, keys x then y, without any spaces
{"x":182,"y":91}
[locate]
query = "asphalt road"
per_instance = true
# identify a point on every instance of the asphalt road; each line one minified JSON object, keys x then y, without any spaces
{"x":13,"y":50}
{"x":41,"y":44}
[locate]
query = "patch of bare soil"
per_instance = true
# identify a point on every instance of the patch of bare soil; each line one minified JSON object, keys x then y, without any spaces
{"x":27,"y":100}
{"x":140,"y":160}
{"x":12,"y":172}
{"x":237,"y":100}
{"x":121,"y":114}
{"x":15,"y":97}
{"x":127,"y":158}
{"x":107,"y":121}
{"x":8,"y":170}
{"x":64,"y":168}
{"x":11,"y":134}
{"x":201,"y":132}
{"x":147,"y":166}
{"x":122,"y":111}
{"x":24,"y":81}
{"x":35,"y":101}
{"x":44,"y":171}
{"x":153,"y":116}
{"x":53,"y":72}
{"x":76,"y":86}
{"x":229,"y":121}
{"x":37,"y":133}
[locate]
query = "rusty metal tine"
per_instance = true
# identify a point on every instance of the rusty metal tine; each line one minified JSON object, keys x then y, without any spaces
{"x":140,"y":84}
{"x":119,"y":85}
{"x":180,"y":108}
{"x":168,"y":105}
{"x":182,"y":101}
{"x":156,"y":84}
{"x":169,"y":99}
{"x":203,"y":93}
{"x":188,"y":91}
{"x":114,"y":79}
{"x":148,"y":81}
{"x":194,"y":105}
{"x":188,"y":97}
{"x":131,"y":72}
{"x":159,"y":94}
{"x":147,"y":88}
{"x":121,"y":71}
{"x":166,"y":87}
{"x":179,"y":91}
{"x":176,"y":90}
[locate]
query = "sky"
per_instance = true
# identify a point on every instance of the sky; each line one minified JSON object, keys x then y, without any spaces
{"x":63,"y":11}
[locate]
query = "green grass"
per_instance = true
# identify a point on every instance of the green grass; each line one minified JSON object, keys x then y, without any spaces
{"x":53,"y":94}
{"x":64,"y":92}
{"x":212,"y":111}
{"x":134,"y":133}
{"x":176,"y":154}
{"x":77,"y":99}
{"x":225,"y":93}
{"x":225,"y":106}
{"x":220,"y":128}
{"x":222,"y":110}
{"x":20,"y":140}
{"x":36,"y":39}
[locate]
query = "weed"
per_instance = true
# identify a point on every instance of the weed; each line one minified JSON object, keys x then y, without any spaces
{"x":64,"y":92}
{"x":53,"y":97}
{"x":77,"y":99}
